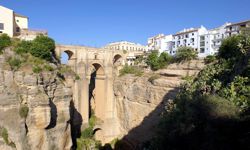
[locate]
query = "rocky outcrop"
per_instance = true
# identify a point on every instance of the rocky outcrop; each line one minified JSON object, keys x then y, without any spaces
{"x":45,"y":126}
{"x":141,"y":100}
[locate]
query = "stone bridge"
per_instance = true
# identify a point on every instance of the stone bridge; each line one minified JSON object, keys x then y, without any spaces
{"x":96,"y":68}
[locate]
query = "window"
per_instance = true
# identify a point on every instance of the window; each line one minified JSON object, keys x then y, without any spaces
{"x":17,"y":20}
{"x":186,"y":36}
{"x":193,"y":34}
{"x":17,"y":29}
{"x":202,"y":50}
{"x":192,"y":40}
{"x":1,"y":26}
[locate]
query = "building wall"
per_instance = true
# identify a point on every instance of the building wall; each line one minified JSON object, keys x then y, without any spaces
{"x":7,"y":19}
{"x":20,"y":23}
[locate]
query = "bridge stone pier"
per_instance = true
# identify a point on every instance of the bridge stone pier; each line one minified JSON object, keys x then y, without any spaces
{"x":94,"y":90}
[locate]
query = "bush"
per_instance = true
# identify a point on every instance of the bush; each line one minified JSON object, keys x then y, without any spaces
{"x":43,"y":47}
{"x":4,"y":135}
{"x":131,"y":70}
{"x":23,"y":111}
{"x":209,"y":59}
{"x":230,"y":48}
{"x":23,"y":47}
{"x":158,"y":62}
{"x":47,"y":67}
{"x":5,"y":41}
{"x":185,"y":54}
{"x":15,"y":63}
{"x":36,"y":69}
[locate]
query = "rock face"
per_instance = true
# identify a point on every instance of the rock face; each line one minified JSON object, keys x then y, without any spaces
{"x":141,"y":100}
{"x":48,"y":101}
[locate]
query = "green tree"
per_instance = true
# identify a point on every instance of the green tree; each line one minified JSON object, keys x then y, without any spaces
{"x":5,"y":41}
{"x":185,"y":54}
{"x":43,"y":47}
{"x":158,"y":62}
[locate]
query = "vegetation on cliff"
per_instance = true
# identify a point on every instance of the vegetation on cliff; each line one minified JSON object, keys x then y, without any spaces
{"x":212,"y":111}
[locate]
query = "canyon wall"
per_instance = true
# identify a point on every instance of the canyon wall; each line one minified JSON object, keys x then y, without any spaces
{"x":141,"y":100}
{"x":47,"y":99}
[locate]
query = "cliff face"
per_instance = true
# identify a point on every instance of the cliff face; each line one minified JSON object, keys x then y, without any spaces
{"x":141,"y":100}
{"x":48,"y":100}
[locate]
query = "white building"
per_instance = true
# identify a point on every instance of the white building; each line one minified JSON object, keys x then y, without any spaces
{"x":233,"y":29}
{"x":125,"y":45}
{"x":193,"y":37}
{"x":11,"y":23}
{"x":133,"y":50}
{"x":16,"y":25}
{"x":161,"y":42}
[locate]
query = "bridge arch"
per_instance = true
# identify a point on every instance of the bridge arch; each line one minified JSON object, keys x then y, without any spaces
{"x":66,"y":56}
{"x":97,"y":90}
{"x":117,"y":59}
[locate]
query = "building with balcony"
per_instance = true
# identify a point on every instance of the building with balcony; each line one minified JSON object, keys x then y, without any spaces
{"x":160,"y":42}
{"x":193,"y":37}
{"x":235,"y":28}
{"x":16,"y":25}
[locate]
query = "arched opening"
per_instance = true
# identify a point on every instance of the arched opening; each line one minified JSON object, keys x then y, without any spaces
{"x":66,"y":56}
{"x":97,"y":91}
{"x":117,"y":59}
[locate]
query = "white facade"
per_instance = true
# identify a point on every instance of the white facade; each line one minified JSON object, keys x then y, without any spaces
{"x":193,"y":37}
{"x":127,"y":46}
{"x":161,"y":42}
{"x":12,"y":23}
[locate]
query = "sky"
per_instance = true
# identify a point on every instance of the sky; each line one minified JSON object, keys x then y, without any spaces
{"x":98,"y":22}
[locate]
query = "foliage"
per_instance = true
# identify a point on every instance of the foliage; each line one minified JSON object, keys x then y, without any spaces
{"x":4,"y":134}
{"x":5,"y":41}
{"x":185,"y":54}
{"x":23,"y":47}
{"x":131,"y":70}
{"x":88,"y":144}
{"x":230,"y":48}
{"x":36,"y":69}
{"x":15,"y":63}
{"x":77,"y":77}
{"x":158,"y":62}
{"x":211,"y":111}
{"x":43,"y":47}
{"x":87,"y":140}
{"x":48,"y":67}
{"x":139,"y":60}
{"x":23,"y":111}
{"x":209,"y":59}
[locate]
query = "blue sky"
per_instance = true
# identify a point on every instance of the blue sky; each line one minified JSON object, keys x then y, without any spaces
{"x":97,"y":22}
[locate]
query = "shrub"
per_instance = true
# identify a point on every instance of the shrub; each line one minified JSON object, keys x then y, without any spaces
{"x":48,"y":67}
{"x":209,"y":59}
{"x":185,"y":54}
{"x":230,"y":48}
{"x":23,"y":111}
{"x":157,"y":62}
{"x":77,"y":77}
{"x":23,"y":47}
{"x":43,"y":47}
{"x":131,"y":70}
{"x":36,"y":69}
{"x":5,"y":135}
{"x":15,"y":63}
{"x":5,"y":41}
